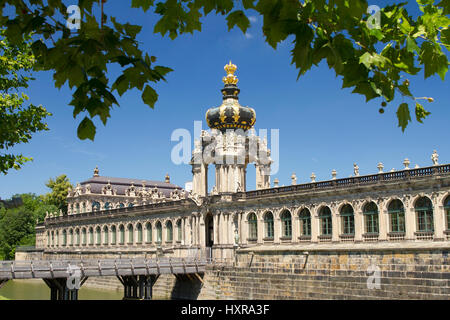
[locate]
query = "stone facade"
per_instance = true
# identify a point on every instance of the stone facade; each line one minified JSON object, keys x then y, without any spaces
{"x":399,"y":220}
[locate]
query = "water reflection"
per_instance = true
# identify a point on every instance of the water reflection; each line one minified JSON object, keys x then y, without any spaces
{"x":38,"y":290}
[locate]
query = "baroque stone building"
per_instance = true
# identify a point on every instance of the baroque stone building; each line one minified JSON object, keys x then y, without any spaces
{"x":108,"y":217}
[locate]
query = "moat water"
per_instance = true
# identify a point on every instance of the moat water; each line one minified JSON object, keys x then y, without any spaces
{"x":38,"y":290}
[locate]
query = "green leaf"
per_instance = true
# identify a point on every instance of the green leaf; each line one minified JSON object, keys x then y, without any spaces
{"x":421,"y":113}
{"x":149,"y":96}
{"x":86,"y":129}
{"x":238,"y":18}
{"x":403,"y":116}
{"x":434,"y":60}
{"x":144,"y":4}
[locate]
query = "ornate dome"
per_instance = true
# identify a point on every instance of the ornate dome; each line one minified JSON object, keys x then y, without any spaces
{"x":230,"y":115}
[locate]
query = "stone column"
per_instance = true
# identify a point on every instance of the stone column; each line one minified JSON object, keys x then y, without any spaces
{"x":295,"y":226}
{"x":260,"y":228}
{"x":383,"y":221}
{"x":335,"y":225}
{"x":438,"y":218}
{"x":201,"y":230}
{"x":410,"y":219}
{"x":216,"y":228}
{"x":276,"y":228}
{"x":315,"y":225}
{"x":359,"y":222}
{"x":238,"y":215}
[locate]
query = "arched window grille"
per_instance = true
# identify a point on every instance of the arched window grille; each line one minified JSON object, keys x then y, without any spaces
{"x":268,"y":225}
{"x":148,"y":228}
{"x":64,"y":236}
{"x":91,"y":235}
{"x":98,"y":236}
{"x":121,"y":234}
{"x":447,"y":211}
{"x":325,"y":221}
{"x":139,"y":233}
{"x":84,"y":238}
{"x":95,"y":205}
{"x":113,"y":235}
{"x":169,"y":231}
{"x":252,"y":226}
{"x":424,"y":213}
{"x":107,"y":205}
{"x":105,"y":235}
{"x":158,"y":232}
{"x":286,"y":224}
{"x":130,"y":234}
{"x":371,"y":217}
{"x":348,"y":220}
{"x":305,"y":222}
{"x":396,"y":213}
{"x":179,"y":230}
{"x":71,"y":242}
{"x":121,"y":205}
{"x":77,"y":237}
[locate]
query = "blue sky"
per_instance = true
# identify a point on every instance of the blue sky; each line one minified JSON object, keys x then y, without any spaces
{"x":322,"y":127}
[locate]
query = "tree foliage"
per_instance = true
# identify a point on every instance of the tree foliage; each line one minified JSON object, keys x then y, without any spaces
{"x":60,"y":188}
{"x":374,"y":61}
{"x":17,"y":121}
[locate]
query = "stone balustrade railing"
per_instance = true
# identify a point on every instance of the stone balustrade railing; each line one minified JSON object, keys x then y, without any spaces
{"x":349,"y":182}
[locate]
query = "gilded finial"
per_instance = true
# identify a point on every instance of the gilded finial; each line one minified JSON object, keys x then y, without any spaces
{"x":96,"y":171}
{"x":230,"y":78}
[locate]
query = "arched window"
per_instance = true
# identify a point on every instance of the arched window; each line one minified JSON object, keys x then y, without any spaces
{"x":447,"y":211}
{"x":286,"y":224}
{"x":396,"y":213}
{"x":105,"y":235}
{"x":84,"y":237}
{"x":370,"y":212}
{"x":348,"y":220}
{"x":53,"y":238}
{"x":179,"y":230}
{"x":169,"y":231}
{"x":91,"y":235}
{"x":71,"y":243}
{"x":64,"y":236}
{"x":305,"y":223}
{"x":158,"y":232}
{"x":77,"y":206}
{"x":48,"y":238}
{"x":77,"y":237}
{"x":121,"y":205}
{"x":107,"y":205}
{"x":95,"y":205}
{"x":98,"y":236}
{"x":56,"y":238}
{"x":130,"y":205}
{"x":325,"y":221}
{"x":113,"y":235}
{"x":268,"y":225}
{"x":139,"y":233}
{"x":252,"y":226}
{"x":121,"y":234}
{"x":148,"y":228}
{"x":130,"y":233}
{"x":424,"y":213}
